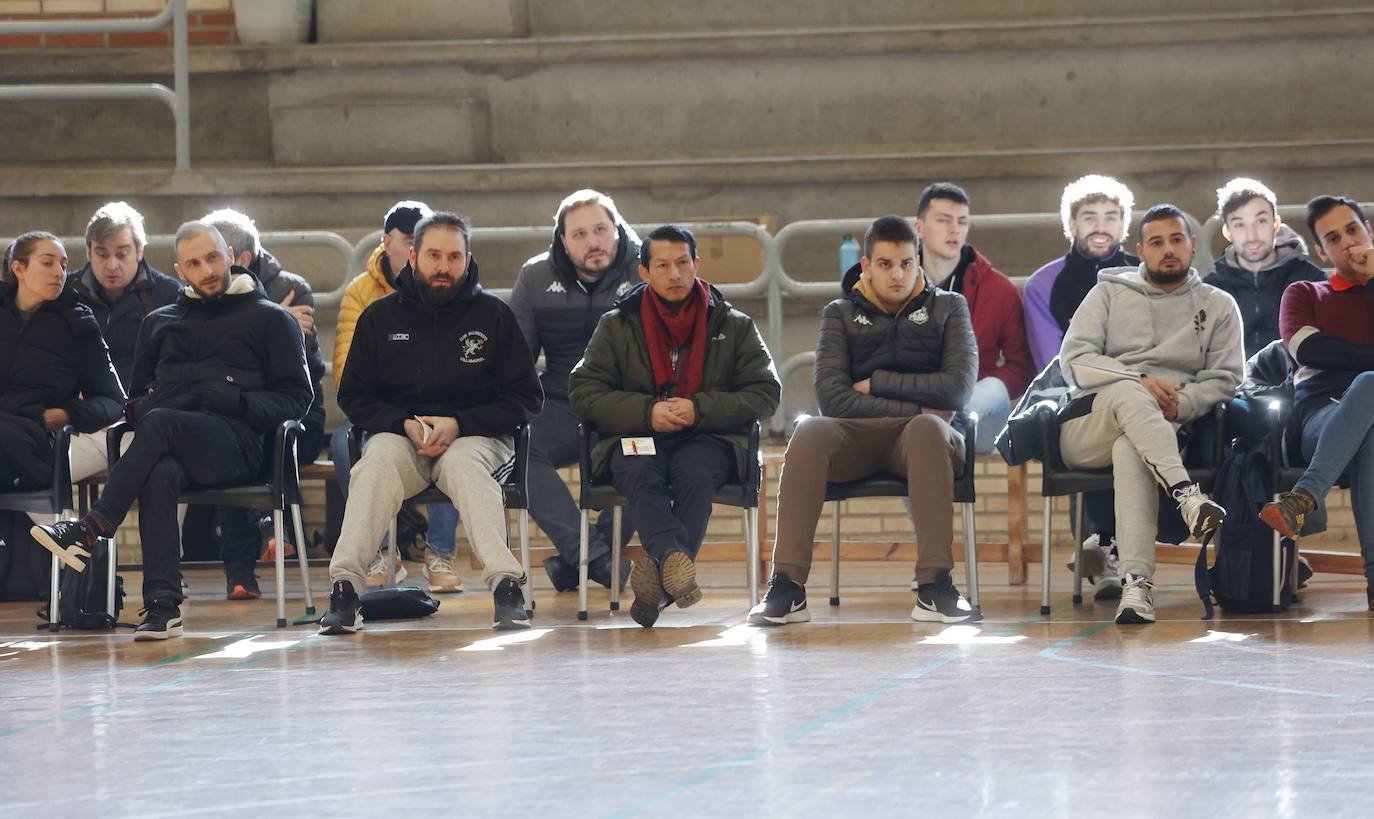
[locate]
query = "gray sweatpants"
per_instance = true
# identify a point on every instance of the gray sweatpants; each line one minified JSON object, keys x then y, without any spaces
{"x":390,"y":471}
{"x":1127,"y":431}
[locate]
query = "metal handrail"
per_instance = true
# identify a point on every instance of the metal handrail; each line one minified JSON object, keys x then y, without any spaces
{"x":177,"y":98}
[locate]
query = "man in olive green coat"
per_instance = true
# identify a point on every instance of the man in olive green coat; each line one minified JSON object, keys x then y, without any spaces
{"x":673,"y":379}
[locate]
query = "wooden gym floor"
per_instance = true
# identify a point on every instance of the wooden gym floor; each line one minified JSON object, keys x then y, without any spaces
{"x":859,"y":713}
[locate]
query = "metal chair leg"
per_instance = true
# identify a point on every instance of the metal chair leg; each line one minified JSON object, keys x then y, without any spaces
{"x":112,"y":579}
{"x":615,"y":558}
{"x":302,"y":558}
{"x":835,"y":554}
{"x":1277,"y":589}
{"x":1045,"y":558}
{"x":53,"y":594}
{"x":582,"y":570}
{"x":751,"y":553}
{"x":391,"y":555}
{"x":527,"y":588}
{"x":971,"y":554}
{"x":280,"y":533}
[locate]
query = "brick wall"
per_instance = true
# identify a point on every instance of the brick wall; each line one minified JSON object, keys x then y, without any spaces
{"x":209,"y":22}
{"x":871,"y":519}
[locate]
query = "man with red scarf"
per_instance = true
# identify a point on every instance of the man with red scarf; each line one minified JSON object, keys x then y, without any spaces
{"x":673,"y":378}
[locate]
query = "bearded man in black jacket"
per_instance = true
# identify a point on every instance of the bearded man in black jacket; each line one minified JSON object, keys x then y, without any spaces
{"x":440,"y":377}
{"x":215,"y":373}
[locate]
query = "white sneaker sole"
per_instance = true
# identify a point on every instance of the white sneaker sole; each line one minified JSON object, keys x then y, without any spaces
{"x":71,"y":558}
{"x":925,"y":615}
{"x":761,"y":619}
{"x":339,"y":628}
{"x":444,"y":588}
{"x":511,"y":624}
{"x":173,"y":630}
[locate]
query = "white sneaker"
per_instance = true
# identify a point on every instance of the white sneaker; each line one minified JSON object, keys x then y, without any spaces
{"x":1137,"y":605}
{"x":1200,"y":513}
{"x":1100,"y":569}
{"x":440,"y":574}
{"x":376,"y":572}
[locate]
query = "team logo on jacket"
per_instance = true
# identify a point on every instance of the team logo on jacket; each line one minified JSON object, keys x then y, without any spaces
{"x":920,"y":316}
{"x":860,"y":318}
{"x":471,"y":346}
{"x":556,"y":287}
{"x":622,"y":289}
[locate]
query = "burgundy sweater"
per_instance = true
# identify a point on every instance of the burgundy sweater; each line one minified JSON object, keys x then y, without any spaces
{"x":1329,"y":331}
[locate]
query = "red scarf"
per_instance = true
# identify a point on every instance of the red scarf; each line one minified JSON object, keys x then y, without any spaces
{"x":686,"y":331}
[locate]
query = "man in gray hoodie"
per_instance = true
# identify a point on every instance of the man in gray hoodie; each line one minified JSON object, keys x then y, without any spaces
{"x":1149,"y":349}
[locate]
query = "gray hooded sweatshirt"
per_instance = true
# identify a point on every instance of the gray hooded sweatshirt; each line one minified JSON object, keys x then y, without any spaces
{"x":1128,"y":328}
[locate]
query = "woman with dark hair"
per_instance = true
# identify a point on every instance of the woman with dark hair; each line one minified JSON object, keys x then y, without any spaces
{"x":54,"y":366}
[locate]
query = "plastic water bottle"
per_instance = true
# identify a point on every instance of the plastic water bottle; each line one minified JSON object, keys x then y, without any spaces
{"x":849,"y":253}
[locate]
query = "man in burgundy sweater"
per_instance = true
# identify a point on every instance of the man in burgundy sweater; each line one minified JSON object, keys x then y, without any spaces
{"x":1328,"y":328}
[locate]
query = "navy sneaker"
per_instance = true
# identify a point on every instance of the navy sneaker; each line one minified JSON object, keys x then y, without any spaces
{"x":940,"y":602}
{"x":784,"y":603}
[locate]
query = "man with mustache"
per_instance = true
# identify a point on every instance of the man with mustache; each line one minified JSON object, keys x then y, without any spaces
{"x":558,"y":298}
{"x":1095,"y":212}
{"x":1328,"y":328}
{"x":215,"y":374}
{"x":1264,"y":257}
{"x":673,"y":378}
{"x":440,"y":378}
{"x":1149,"y":349}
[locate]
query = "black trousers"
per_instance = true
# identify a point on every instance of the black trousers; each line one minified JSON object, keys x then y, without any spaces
{"x":172,"y":449}
{"x":670,"y":492}
{"x":553,"y":445}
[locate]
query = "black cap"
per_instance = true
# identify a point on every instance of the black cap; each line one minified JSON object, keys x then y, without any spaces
{"x":404,"y":216}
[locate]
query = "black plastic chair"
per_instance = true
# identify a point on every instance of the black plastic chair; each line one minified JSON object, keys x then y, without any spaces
{"x":53,"y":499}
{"x":1059,"y":480}
{"x":743,"y":495}
{"x":514,"y":494}
{"x":277,"y":487}
{"x":886,"y":485}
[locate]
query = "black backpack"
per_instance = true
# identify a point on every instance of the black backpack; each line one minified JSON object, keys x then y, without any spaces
{"x":81,"y":604}
{"x":24,"y":565}
{"x":1243,"y":579}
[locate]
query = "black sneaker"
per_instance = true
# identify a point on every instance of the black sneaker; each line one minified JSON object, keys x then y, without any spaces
{"x":647,"y":585}
{"x":240,"y":583}
{"x":70,"y":540}
{"x":784,"y":603}
{"x":162,"y":620}
{"x":1304,"y":572}
{"x":345,"y":610}
{"x":561,"y":575}
{"x":599,"y":571}
{"x":940,"y":602}
{"x":510,"y":606}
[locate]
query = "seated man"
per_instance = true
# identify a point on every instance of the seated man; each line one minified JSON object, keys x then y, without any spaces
{"x":672,"y":380}
{"x":558,"y":298}
{"x":440,"y":378}
{"x":949,"y":262}
{"x":1264,"y":257}
{"x":215,"y":374}
{"x":241,"y":529}
{"x":896,"y":359}
{"x":379,"y":279}
{"x":1149,"y":349}
{"x":120,"y":287}
{"x":1328,"y":328}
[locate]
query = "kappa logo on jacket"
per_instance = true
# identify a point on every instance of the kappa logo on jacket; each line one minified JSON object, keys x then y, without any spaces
{"x":472,"y":345}
{"x":556,"y":287}
{"x":860,"y":318}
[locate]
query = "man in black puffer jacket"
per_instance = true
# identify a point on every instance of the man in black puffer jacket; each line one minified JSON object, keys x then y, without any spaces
{"x":215,"y":374}
{"x":895,"y":363}
{"x":240,"y":529}
{"x":440,"y":378}
{"x":558,"y":298}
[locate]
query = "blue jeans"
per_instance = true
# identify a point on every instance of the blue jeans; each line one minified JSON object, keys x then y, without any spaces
{"x":1339,"y":438}
{"x":993,"y":405}
{"x":443,"y":517}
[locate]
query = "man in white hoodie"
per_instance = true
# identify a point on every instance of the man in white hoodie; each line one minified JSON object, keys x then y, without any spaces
{"x":1149,"y":349}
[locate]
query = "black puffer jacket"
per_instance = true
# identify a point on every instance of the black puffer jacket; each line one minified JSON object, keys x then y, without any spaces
{"x":558,"y":313}
{"x":237,"y":354}
{"x":57,"y":361}
{"x":278,"y":283}
{"x":1258,"y":295}
{"x":464,"y":360}
{"x":926,"y":356}
{"x":119,"y":322}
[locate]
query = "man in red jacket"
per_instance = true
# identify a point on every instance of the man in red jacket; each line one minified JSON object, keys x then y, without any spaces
{"x":999,"y":325}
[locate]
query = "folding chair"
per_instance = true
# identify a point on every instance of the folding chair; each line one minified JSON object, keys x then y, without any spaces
{"x":54,"y":499}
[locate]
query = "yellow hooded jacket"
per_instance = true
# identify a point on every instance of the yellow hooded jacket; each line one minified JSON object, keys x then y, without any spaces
{"x":362,"y":291}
